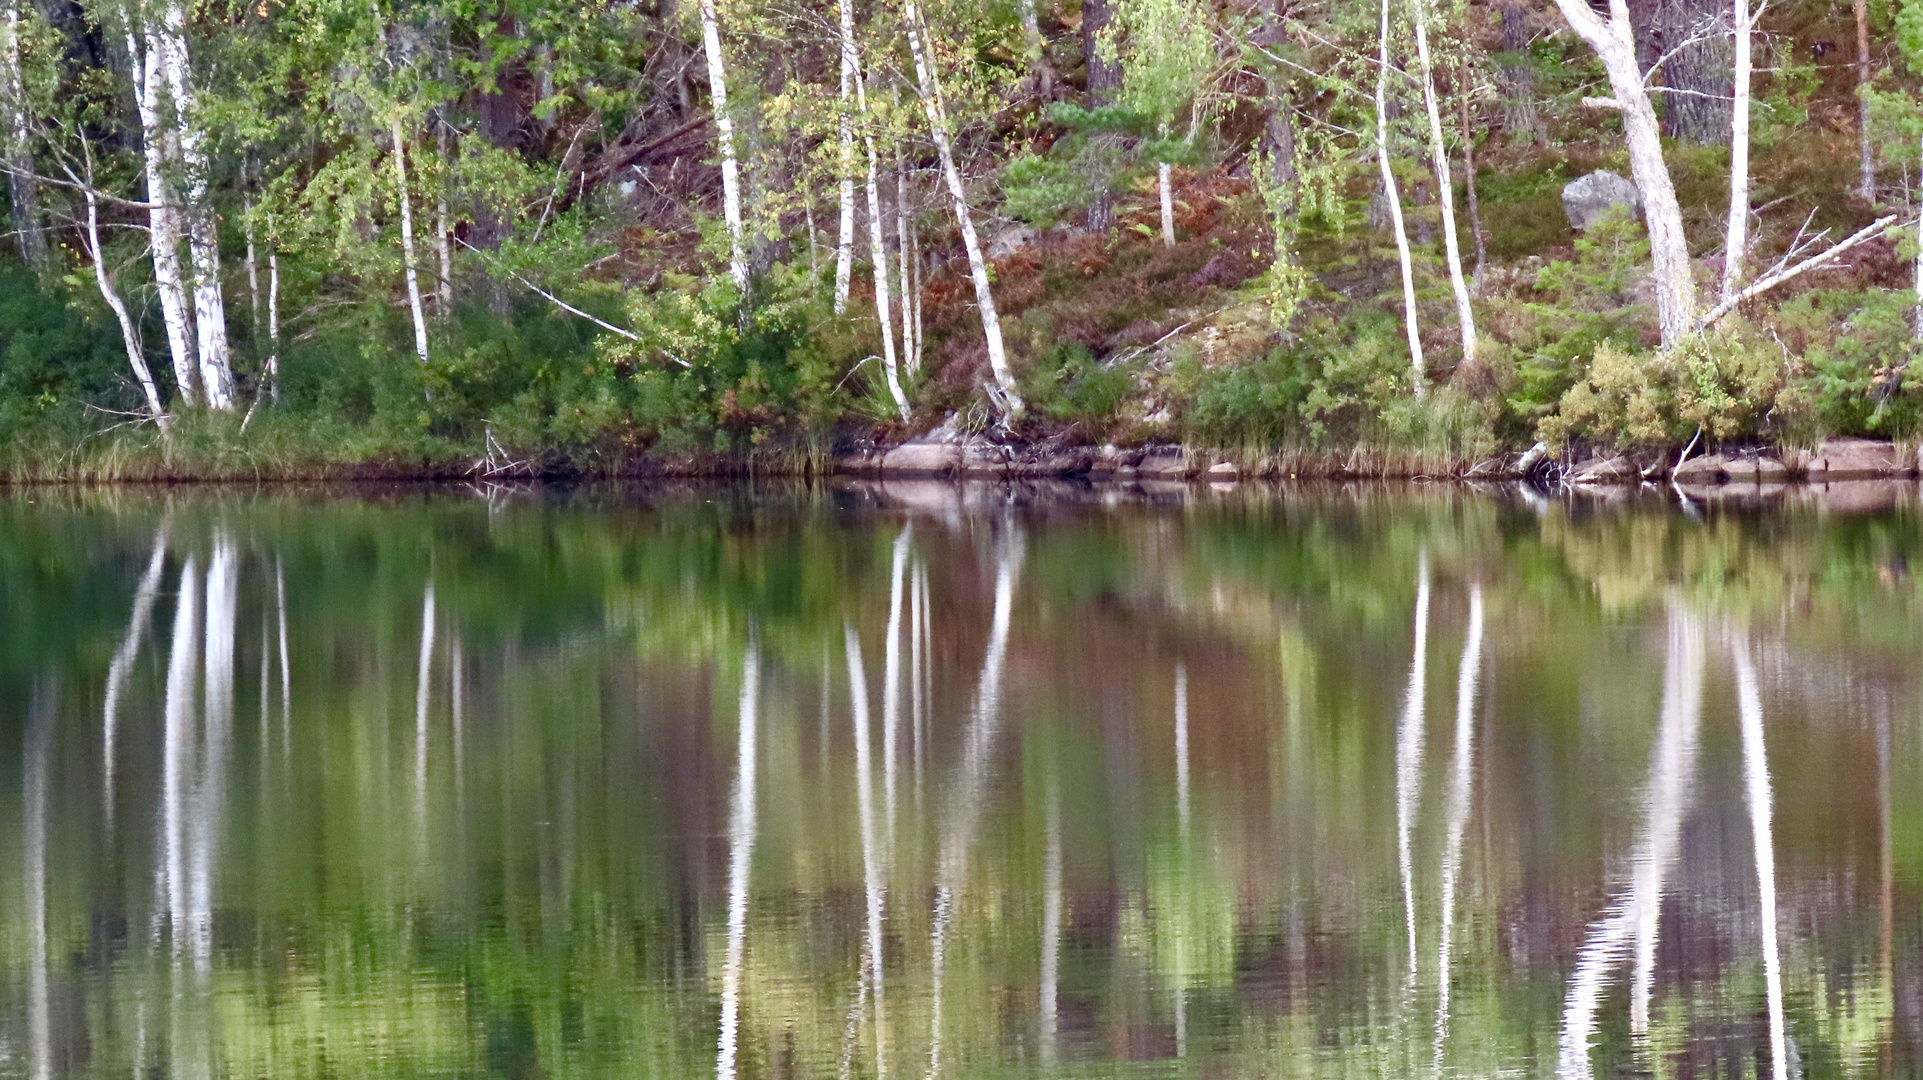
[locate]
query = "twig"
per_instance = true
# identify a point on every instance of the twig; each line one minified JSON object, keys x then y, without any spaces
{"x":560,"y":303}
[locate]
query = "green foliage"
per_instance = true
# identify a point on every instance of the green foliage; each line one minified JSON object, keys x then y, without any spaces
{"x":1856,"y":351}
{"x":1041,"y":190}
{"x":1067,"y":383}
{"x":1723,"y":384}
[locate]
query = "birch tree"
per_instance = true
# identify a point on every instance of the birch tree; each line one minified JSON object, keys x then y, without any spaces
{"x":845,"y":160}
{"x":163,"y":214}
{"x":1394,"y":198}
{"x":928,"y":88}
{"x":1166,"y":51}
{"x":1736,"y":235}
{"x":203,"y":242}
{"x":724,"y":143}
{"x":408,"y":262}
{"x":1445,"y":186}
{"x":1613,"y":39}
{"x":878,"y":258}
{"x":17,"y":156}
{"x":129,"y":332}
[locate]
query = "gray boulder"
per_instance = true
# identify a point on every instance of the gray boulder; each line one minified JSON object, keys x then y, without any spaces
{"x":1587,"y":198}
{"x":1010,"y":240}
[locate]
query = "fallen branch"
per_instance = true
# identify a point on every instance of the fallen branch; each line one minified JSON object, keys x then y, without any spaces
{"x":555,"y":300}
{"x":1813,"y":262}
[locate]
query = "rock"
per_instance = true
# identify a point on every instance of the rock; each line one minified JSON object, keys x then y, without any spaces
{"x":1163,"y":465}
{"x":1587,"y":198}
{"x":1224,"y":470}
{"x":1010,"y":240}
{"x":1756,"y":470}
{"x":1615,"y":470}
{"x":921,"y":456}
{"x":1708,"y":469}
{"x":1857,"y":459}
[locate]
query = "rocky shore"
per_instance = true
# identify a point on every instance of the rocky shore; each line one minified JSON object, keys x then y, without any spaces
{"x":944,"y":453}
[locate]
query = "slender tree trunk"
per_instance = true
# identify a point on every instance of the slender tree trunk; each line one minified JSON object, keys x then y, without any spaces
{"x":203,"y":241}
{"x":1519,"y":114}
{"x":741,"y":841}
{"x":443,"y":228}
{"x":910,"y":348}
{"x":928,"y":87}
{"x":163,"y":221}
{"x":1917,"y":316}
{"x":409,"y":267}
{"x":724,"y":142}
{"x":1866,"y":159}
{"x":1614,"y":43}
{"x":1164,"y":181}
{"x":1394,"y":200}
{"x":129,"y":333}
{"x":878,"y":256}
{"x":845,"y":160}
{"x":1469,"y":177}
{"x":1104,"y":79}
{"x":251,"y":265}
{"x":273,"y":322}
{"x":1736,"y":238}
{"x":18,"y":157}
{"x":1445,"y":187}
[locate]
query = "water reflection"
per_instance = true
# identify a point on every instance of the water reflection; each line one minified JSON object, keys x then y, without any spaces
{"x":951,"y":783}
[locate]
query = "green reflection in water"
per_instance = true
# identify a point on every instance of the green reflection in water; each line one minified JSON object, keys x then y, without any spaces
{"x":924,"y":782}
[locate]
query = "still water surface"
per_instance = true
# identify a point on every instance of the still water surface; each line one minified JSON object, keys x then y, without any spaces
{"x":925,"y":783}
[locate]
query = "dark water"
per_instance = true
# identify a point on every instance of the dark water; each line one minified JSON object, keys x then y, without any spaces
{"x":924,"y":783}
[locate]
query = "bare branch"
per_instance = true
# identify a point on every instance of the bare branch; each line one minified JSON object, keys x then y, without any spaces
{"x":1813,"y":262}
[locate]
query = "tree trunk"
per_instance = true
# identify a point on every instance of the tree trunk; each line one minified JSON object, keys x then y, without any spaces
{"x":878,"y":258}
{"x":1696,"y":70}
{"x":203,"y":240}
{"x":1163,"y":179}
{"x":928,"y":87}
{"x":163,"y":221}
{"x":1519,"y":114}
{"x":724,"y":142}
{"x":1445,"y":187}
{"x":1104,"y":79}
{"x":1040,"y":75}
{"x":18,"y":157}
{"x":1736,"y":238}
{"x":1469,"y":176}
{"x":1419,"y":371}
{"x":910,"y":351}
{"x":845,"y":160}
{"x":409,"y":267}
{"x":273,"y":322}
{"x":1614,"y":43}
{"x":1866,"y":160}
{"x":443,"y":228}
{"x":129,"y":333}
{"x":251,"y":265}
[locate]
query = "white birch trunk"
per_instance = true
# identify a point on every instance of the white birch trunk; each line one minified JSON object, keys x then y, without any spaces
{"x":163,"y":222}
{"x":18,"y":158}
{"x":741,"y":840}
{"x":928,"y":87}
{"x":203,"y":241}
{"x":444,"y":231}
{"x":724,"y":141}
{"x":1409,"y":739}
{"x":1418,"y":368}
{"x":1164,"y":180}
{"x":1736,"y":238}
{"x":878,"y":256}
{"x":129,"y":333}
{"x":1445,"y":186}
{"x":1749,"y":702}
{"x":872,"y":845}
{"x":408,"y":265}
{"x":910,"y":350}
{"x":1614,"y":42}
{"x":1456,"y":815}
{"x":845,"y":163}
{"x":273,"y":322}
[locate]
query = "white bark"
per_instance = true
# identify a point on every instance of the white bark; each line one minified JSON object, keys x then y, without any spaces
{"x":1445,"y":185}
{"x":741,"y":841}
{"x":1614,"y":42}
{"x":1163,"y":179}
{"x":444,"y":229}
{"x":203,"y":241}
{"x":408,"y":265}
{"x":423,"y":687}
{"x":910,"y":348}
{"x":122,"y":665}
{"x":873,"y":886}
{"x":273,"y":322}
{"x":928,"y":87}
{"x":1736,"y":238}
{"x":1051,"y":923}
{"x":1182,"y":809}
{"x":845,"y":163}
{"x":129,"y":333}
{"x":878,"y":257}
{"x":724,"y":141}
{"x":1419,"y":371}
{"x":18,"y":156}
{"x":251,"y":264}
{"x":163,"y":221}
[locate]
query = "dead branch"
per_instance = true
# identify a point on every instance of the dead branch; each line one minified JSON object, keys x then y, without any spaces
{"x":1769,"y":282}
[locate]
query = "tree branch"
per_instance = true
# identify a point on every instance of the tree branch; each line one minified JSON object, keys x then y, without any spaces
{"x":1811,"y":263}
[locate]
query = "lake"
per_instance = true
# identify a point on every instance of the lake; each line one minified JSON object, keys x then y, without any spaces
{"x":925,"y":781}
